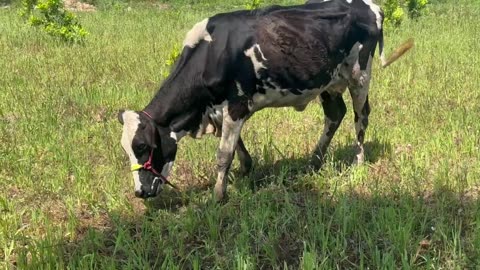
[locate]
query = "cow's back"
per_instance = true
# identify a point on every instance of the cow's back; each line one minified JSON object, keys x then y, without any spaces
{"x":303,"y":41}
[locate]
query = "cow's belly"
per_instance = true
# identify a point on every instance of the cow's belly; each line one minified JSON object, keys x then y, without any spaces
{"x":275,"y":97}
{"x":282,"y":98}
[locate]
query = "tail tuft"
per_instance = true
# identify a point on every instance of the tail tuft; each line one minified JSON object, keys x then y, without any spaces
{"x":401,"y":50}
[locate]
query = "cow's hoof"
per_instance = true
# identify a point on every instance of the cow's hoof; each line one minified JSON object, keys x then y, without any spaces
{"x":358,"y":161}
{"x":243,"y":172}
{"x":245,"y":169}
{"x":245,"y":165}
{"x":316,"y":162}
{"x":220,"y":193}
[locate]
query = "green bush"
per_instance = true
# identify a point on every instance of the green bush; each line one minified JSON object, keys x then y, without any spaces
{"x":252,"y":4}
{"x":416,"y":7}
{"x":171,"y":58}
{"x":395,"y":10}
{"x":51,"y":16}
{"x":394,"y":13}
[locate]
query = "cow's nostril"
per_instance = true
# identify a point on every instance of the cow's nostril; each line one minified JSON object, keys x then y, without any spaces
{"x":139,"y":193}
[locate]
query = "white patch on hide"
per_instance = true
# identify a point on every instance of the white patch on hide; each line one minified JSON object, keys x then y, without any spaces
{"x":196,"y":34}
{"x":257,"y":64}
{"x":240,"y":90}
{"x":177,"y":135}
{"x":131,"y":121}
{"x":278,"y":97}
{"x":375,"y":9}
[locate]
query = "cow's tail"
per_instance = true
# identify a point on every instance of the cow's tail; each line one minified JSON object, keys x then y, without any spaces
{"x":380,"y":49}
{"x":401,"y":50}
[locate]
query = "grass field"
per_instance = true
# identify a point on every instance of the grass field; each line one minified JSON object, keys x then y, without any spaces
{"x":66,"y":195}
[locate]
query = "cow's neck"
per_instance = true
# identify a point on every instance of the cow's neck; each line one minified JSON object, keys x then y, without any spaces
{"x":179,"y":106}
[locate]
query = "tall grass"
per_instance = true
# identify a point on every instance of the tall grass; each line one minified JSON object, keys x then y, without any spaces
{"x":66,"y":198}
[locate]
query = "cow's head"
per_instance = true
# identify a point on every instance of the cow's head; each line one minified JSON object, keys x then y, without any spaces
{"x":151,"y":150}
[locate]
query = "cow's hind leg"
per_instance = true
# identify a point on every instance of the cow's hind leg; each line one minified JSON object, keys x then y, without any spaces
{"x":359,"y":92}
{"x":231,"y":129}
{"x":361,"y":110}
{"x":334,"y":109}
{"x":244,"y":157}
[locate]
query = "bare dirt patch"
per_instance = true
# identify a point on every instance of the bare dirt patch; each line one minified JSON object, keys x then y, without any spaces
{"x":75,"y":5}
{"x":87,"y":219}
{"x":185,"y":177}
{"x":163,"y":6}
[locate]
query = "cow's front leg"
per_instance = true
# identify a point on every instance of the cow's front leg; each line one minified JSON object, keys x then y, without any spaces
{"x":231,"y":129}
{"x":334,"y":109}
{"x":244,"y":158}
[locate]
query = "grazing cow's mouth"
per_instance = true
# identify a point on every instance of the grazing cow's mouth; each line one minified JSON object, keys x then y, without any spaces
{"x":154,"y":189}
{"x":150,"y":190}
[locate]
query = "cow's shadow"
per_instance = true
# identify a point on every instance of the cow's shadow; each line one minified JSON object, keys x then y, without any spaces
{"x":173,"y":200}
{"x":374,"y":150}
{"x":286,"y":172}
{"x":290,"y":169}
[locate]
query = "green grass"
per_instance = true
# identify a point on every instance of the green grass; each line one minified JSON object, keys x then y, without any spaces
{"x":66,"y":197}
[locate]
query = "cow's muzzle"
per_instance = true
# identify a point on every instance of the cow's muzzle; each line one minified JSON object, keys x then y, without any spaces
{"x":152,"y":191}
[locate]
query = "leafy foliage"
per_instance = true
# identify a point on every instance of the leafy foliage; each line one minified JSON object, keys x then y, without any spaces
{"x":416,"y":7}
{"x":395,"y":10}
{"x":252,"y":4}
{"x":51,"y":16}
{"x":171,"y":58}
{"x":394,"y":13}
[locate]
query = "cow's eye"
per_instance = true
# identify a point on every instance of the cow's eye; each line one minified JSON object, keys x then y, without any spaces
{"x":141,"y":147}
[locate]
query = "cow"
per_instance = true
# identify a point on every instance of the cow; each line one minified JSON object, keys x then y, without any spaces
{"x":237,"y":63}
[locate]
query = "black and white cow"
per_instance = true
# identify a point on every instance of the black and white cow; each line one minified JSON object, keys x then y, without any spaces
{"x":234,"y":64}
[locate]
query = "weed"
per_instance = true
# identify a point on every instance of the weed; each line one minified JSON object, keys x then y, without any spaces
{"x":54,"y":20}
{"x":252,"y":4}
{"x":172,"y":57}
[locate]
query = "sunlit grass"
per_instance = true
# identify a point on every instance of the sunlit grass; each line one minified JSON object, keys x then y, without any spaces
{"x":67,"y":196}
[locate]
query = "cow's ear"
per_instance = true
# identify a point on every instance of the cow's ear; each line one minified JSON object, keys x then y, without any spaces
{"x":120,"y":116}
{"x":151,"y":134}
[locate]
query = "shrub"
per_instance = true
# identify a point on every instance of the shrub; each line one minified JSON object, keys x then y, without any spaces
{"x":171,"y":58}
{"x":54,"y":19}
{"x":252,"y":4}
{"x":394,"y":13}
{"x":395,"y":10}
{"x":416,"y":7}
